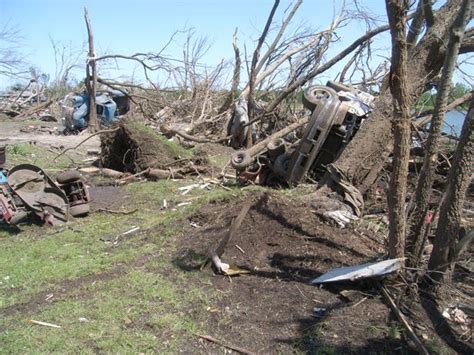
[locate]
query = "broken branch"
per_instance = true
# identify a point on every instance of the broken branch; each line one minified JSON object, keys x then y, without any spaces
{"x":221,"y":343}
{"x":84,"y":140}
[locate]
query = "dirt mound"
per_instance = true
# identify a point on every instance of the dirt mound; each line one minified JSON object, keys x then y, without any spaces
{"x":281,"y":234}
{"x":133,"y":147}
{"x":284,"y":245}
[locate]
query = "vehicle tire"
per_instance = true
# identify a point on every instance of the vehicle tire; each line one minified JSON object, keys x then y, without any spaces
{"x":314,"y":94}
{"x":276,"y":147}
{"x":68,"y":176}
{"x":241,"y":160}
{"x":79,"y":210}
{"x":17,"y":218}
{"x":281,"y":164}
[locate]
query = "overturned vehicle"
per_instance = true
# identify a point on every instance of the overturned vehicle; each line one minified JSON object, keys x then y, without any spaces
{"x":337,"y":112}
{"x":110,"y":105}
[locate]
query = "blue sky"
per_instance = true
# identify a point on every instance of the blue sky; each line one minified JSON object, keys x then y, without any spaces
{"x":129,"y":26}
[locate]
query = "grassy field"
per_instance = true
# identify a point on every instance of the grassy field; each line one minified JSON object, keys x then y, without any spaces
{"x":108,"y":292}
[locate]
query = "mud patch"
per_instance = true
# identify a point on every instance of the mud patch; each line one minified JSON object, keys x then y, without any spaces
{"x":107,"y":197}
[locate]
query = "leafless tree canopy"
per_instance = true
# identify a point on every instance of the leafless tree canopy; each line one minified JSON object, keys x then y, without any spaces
{"x":11,"y":62}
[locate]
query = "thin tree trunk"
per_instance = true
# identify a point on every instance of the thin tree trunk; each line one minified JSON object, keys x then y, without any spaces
{"x":397,"y":17}
{"x":235,"y":77}
{"x":416,"y":241}
{"x":460,"y":174}
{"x":253,"y":69}
{"x":91,"y":77}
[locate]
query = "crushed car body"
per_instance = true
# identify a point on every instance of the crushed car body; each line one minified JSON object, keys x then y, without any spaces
{"x":337,"y":111}
{"x":110,"y":105}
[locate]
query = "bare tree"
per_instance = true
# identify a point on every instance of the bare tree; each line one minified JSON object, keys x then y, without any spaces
{"x":416,"y":238}
{"x":253,"y":67}
{"x":11,"y":62}
{"x":235,"y":77}
{"x":291,"y":61}
{"x":66,"y":60}
{"x":397,"y":17}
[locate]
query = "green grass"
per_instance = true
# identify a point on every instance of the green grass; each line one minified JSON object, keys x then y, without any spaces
{"x":22,"y":153}
{"x":149,"y":314}
{"x":133,"y":299}
{"x":174,"y":148}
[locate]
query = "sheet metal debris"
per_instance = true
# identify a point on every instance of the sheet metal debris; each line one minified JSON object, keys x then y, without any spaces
{"x":356,"y":272}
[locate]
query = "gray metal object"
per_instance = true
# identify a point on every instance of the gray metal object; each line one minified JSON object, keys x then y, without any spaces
{"x":356,"y":272}
{"x":39,"y":193}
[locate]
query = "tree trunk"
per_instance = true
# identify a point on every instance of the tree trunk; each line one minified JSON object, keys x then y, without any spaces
{"x":91,"y":77}
{"x":235,"y":77}
{"x":362,"y":161}
{"x":253,"y":69}
{"x":460,"y":174}
{"x":397,"y":12}
{"x":420,"y":205}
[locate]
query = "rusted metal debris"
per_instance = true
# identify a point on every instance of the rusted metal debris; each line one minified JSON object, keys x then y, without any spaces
{"x":26,"y":189}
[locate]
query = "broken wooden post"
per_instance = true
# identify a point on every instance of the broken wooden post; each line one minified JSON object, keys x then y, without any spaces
{"x":91,"y":76}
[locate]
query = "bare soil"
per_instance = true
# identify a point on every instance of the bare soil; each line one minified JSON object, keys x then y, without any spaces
{"x":284,"y":245}
{"x":39,"y":134}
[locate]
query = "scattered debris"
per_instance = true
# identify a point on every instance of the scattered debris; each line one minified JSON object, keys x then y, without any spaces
{"x":221,"y":343}
{"x":183,"y":204}
{"x":215,"y":254}
{"x":106,"y":210}
{"x":30,"y":189}
{"x":421,"y":348}
{"x":186,"y":189}
{"x":91,"y":170}
{"x":456,"y":315}
{"x":341,"y":217}
{"x":115,"y":238}
{"x":73,"y":184}
{"x":114,"y":174}
{"x":44,"y":324}
{"x":130,"y":231}
{"x":354,"y":273}
{"x":319,"y":312}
